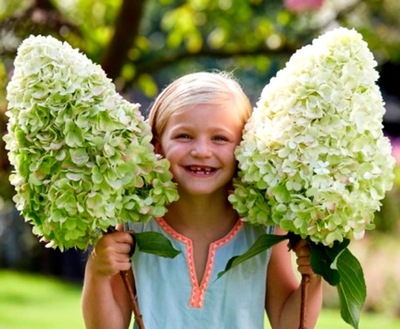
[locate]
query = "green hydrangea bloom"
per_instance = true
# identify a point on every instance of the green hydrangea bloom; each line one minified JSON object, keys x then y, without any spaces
{"x":313,"y":159}
{"x":82,"y":155}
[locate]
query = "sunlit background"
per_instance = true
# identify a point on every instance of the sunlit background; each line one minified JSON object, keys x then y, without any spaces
{"x":144,"y":44}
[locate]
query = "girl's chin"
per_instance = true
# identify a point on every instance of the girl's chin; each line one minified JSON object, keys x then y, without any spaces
{"x":202,"y":190}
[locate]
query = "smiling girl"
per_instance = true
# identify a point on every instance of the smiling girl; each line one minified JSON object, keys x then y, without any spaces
{"x":197,"y":123}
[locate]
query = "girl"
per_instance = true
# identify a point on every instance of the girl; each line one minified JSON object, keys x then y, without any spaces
{"x":197,"y":123}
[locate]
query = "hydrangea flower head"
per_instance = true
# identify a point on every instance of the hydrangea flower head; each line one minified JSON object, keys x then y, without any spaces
{"x":81,"y":153}
{"x":314,"y":159}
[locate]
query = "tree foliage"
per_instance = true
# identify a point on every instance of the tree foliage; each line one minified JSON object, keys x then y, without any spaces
{"x":135,"y":40}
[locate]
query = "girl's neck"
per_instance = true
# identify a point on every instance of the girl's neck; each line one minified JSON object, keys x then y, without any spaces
{"x":196,"y":215}
{"x":203,"y":220}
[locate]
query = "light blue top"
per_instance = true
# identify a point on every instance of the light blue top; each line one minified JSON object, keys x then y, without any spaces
{"x":170,"y":297}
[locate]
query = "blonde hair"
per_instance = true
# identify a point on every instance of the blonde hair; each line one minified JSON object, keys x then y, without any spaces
{"x":193,"y":89}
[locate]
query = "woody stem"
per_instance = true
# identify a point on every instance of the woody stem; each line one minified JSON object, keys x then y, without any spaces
{"x":132,"y":299}
{"x":305,"y":280}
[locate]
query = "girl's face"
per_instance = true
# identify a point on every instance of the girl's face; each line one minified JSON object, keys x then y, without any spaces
{"x":199,"y":142}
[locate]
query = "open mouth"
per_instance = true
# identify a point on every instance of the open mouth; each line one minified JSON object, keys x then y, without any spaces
{"x":200,"y":170}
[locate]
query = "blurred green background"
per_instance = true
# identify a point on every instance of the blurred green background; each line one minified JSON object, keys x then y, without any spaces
{"x":143,"y":45}
{"x":41,"y":302}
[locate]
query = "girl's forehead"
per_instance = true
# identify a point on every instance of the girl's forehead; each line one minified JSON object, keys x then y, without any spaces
{"x":226,"y":107}
{"x":208,"y":111}
{"x":206,"y":116}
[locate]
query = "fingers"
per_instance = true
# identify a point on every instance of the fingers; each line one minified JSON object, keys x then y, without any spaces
{"x":112,"y":253}
{"x":301,"y":244}
{"x":122,"y":237}
{"x":303,"y":254}
{"x":304,"y":265}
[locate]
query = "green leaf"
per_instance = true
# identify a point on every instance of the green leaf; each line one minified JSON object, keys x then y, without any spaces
{"x":263,"y":243}
{"x":351,"y":289}
{"x":323,"y":260}
{"x":156,"y":244}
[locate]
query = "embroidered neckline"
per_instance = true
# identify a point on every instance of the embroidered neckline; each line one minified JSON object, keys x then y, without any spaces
{"x":199,"y":291}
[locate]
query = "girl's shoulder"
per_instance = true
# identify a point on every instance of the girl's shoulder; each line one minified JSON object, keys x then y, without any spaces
{"x":139,"y":227}
{"x":154,"y":226}
{"x":258,"y":228}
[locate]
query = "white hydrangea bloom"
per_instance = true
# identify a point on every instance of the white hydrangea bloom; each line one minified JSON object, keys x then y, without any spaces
{"x":313,"y":159}
{"x":82,"y":155}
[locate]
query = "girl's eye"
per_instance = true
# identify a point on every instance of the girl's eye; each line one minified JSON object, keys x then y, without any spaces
{"x":220,"y":138}
{"x":183,"y":136}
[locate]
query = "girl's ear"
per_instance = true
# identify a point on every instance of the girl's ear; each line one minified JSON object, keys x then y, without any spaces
{"x":157,"y":146}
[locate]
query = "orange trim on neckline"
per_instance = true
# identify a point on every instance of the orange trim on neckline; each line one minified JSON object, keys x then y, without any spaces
{"x":199,"y":291}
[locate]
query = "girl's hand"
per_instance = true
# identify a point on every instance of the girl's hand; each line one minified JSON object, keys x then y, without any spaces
{"x":303,"y":254}
{"x":112,"y":254}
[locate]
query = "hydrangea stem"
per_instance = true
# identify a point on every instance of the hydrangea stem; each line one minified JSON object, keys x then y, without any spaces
{"x":132,"y":299}
{"x":305,"y":280}
{"x":129,"y":288}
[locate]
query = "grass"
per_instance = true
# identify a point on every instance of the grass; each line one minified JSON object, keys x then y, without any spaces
{"x":35,"y":302}
{"x":330,"y":319}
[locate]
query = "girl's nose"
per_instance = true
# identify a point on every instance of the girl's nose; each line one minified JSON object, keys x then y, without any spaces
{"x":201,"y":149}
